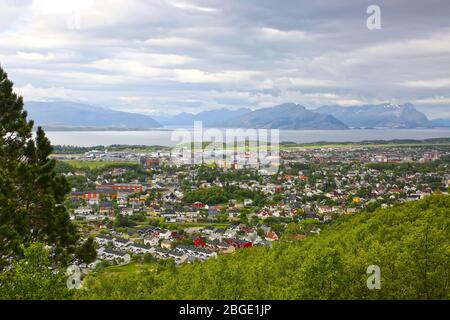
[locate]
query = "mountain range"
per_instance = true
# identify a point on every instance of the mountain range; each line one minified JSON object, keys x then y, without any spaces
{"x":72,"y":114}
{"x":209,"y":118}
{"x":379,"y":115}
{"x":284,"y":116}
{"x":58,"y":114}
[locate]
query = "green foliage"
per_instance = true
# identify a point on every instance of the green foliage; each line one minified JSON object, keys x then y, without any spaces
{"x":304,"y":227}
{"x":123,"y":221}
{"x":100,"y":165}
{"x":218,"y":195}
{"x":31,"y":193}
{"x":410,"y":168}
{"x":32,"y":278}
{"x":63,"y":167}
{"x":410,"y":243}
{"x":148,"y":258}
{"x":113,"y":286}
{"x":86,"y":253}
{"x":138,"y":217}
{"x":213,"y":195}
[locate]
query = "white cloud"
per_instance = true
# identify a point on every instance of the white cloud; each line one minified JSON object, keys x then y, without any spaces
{"x":156,"y":59}
{"x":436,"y":100}
{"x":188,"y":6}
{"x":172,"y":42}
{"x":277,"y":35}
{"x":49,"y":56}
{"x":56,"y":6}
{"x":308,"y":82}
{"x":222,"y":77}
{"x":434,"y":84}
{"x":193,"y":55}
{"x":29,"y":92}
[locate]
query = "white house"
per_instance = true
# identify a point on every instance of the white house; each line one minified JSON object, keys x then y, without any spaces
{"x":140,"y":248}
{"x":121,"y":242}
{"x":151,"y":241}
{"x":127,"y":211}
{"x":165,"y":234}
{"x":102,"y":240}
{"x":83,"y":210}
{"x":108,"y":254}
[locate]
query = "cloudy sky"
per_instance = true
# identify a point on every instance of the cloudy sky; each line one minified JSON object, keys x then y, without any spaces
{"x":168,"y":56}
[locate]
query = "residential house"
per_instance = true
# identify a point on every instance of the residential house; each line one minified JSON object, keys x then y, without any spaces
{"x":161,"y":253}
{"x":106,"y":208}
{"x":111,"y":255}
{"x":271,"y":236}
{"x":239,"y":243}
{"x":166,"y":244}
{"x":83,"y":210}
{"x":102,"y":240}
{"x":121,"y":242}
{"x":127,"y":211}
{"x":151,"y":241}
{"x":201,"y":253}
{"x":140,"y":248}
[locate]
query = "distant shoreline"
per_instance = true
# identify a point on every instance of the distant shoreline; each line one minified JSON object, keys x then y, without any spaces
{"x":171,"y":128}
{"x":64,"y":129}
{"x":290,"y":144}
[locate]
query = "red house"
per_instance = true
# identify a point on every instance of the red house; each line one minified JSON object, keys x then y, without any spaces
{"x":239,"y":243}
{"x":199,"y":242}
{"x":198,"y":205}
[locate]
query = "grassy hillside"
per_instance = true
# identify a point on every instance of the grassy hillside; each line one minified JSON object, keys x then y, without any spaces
{"x":410,"y":243}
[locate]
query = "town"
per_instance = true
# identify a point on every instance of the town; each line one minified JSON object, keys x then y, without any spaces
{"x":144,"y":206}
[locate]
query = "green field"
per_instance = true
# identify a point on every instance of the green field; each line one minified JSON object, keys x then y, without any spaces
{"x":79,"y":164}
{"x":367,"y":144}
{"x":133,"y":267}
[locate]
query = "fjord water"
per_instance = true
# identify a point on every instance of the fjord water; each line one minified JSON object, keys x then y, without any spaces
{"x":163,"y":137}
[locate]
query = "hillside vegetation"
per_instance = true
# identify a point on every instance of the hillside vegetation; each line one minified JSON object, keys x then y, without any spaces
{"x":410,"y":243}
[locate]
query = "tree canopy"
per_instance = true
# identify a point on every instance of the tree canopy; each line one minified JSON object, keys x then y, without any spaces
{"x":34,"y":277}
{"x":31,"y":193}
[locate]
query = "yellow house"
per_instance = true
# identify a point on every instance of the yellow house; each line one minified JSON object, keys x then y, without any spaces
{"x":356,"y":200}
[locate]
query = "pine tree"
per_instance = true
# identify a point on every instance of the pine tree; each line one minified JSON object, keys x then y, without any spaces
{"x":86,"y":253}
{"x":31,"y":194}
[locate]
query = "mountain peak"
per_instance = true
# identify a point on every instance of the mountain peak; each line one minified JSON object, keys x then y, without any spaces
{"x":389,"y":115}
{"x":290,"y":105}
{"x":288,"y":116}
{"x":209,"y":117}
